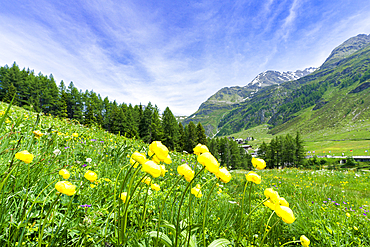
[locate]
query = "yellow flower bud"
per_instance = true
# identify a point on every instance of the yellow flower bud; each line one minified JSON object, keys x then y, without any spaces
{"x":163,"y":170}
{"x":272,"y":194}
{"x":168,"y":160}
{"x":66,"y":188}
{"x":186,"y":171}
{"x":258,"y":163}
{"x":285,"y":213}
{"x":124,"y":197}
{"x":304,"y":241}
{"x":146,"y":180}
{"x":199,"y":149}
{"x":152,"y":168}
{"x":159,"y":149}
{"x":209,"y":161}
{"x":24,"y":156}
{"x":155,"y":187}
{"x":138,"y":157}
{"x":64,"y":173}
{"x":91,"y":176}
{"x":196,"y":191}
{"x":253,"y":177}
{"x":37,"y":133}
{"x":224,"y":175}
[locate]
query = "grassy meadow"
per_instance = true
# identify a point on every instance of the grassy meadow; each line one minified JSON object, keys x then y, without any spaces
{"x":117,"y":207}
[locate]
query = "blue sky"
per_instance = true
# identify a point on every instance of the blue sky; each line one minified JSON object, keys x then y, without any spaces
{"x":173,"y":53}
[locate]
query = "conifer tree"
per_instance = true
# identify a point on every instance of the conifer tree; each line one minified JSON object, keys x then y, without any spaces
{"x":145,"y":130}
{"x":107,"y":111}
{"x":115,"y":119}
{"x":170,"y":129}
{"x":299,"y":151}
{"x":10,"y":94}
{"x":63,"y":105}
{"x":213,"y":147}
{"x":182,"y":138}
{"x":89,"y":118}
{"x":201,"y":134}
{"x":191,"y":137}
{"x":156,"y":126}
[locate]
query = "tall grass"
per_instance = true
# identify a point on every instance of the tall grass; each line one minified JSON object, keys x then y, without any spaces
{"x":34,"y":213}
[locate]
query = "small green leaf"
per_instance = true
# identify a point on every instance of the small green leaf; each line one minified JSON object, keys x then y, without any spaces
{"x":221,"y":242}
{"x":163,"y":238}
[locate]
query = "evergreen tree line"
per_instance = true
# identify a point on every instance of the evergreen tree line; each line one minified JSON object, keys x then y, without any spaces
{"x":41,"y":94}
{"x":229,"y":153}
{"x":283,"y":151}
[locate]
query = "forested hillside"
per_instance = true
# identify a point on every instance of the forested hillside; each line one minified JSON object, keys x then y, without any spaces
{"x":40,"y":93}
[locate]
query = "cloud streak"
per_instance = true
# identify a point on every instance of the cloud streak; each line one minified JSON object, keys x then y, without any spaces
{"x":172,"y":53}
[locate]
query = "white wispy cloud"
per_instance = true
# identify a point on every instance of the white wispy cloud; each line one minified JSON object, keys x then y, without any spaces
{"x":138,"y":51}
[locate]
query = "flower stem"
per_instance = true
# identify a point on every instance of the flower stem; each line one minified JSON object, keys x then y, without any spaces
{"x":204,"y":213}
{"x":267,"y":231}
{"x":181,"y":201}
{"x":290,"y":242}
{"x":249,"y":211}
{"x":46,"y":217}
{"x":162,"y":206}
{"x":241,"y":214}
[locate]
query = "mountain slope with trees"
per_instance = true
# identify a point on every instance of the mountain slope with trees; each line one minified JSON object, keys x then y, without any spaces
{"x":332,"y":96}
{"x":215,"y":107}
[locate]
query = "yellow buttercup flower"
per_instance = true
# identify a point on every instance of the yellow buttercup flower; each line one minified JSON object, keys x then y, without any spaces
{"x":37,"y":133}
{"x":272,"y":194}
{"x":283,"y":202}
{"x":155,"y":187}
{"x":163,"y":170}
{"x":285,"y":213}
{"x":154,"y":157}
{"x":138,"y":157}
{"x":304,"y":241}
{"x":168,"y":160}
{"x":66,"y":188}
{"x":209,"y":161}
{"x":146,"y":180}
{"x":159,"y":149}
{"x":269,"y":204}
{"x":75,"y":134}
{"x":258,"y":163}
{"x":91,"y":176}
{"x":152,"y":168}
{"x":224,"y":175}
{"x":196,"y":191}
{"x":186,"y":171}
{"x":253,"y":177}
{"x":199,"y":149}
{"x":24,"y":156}
{"x":64,"y":173}
{"x":124,"y":197}
{"x":348,"y":215}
